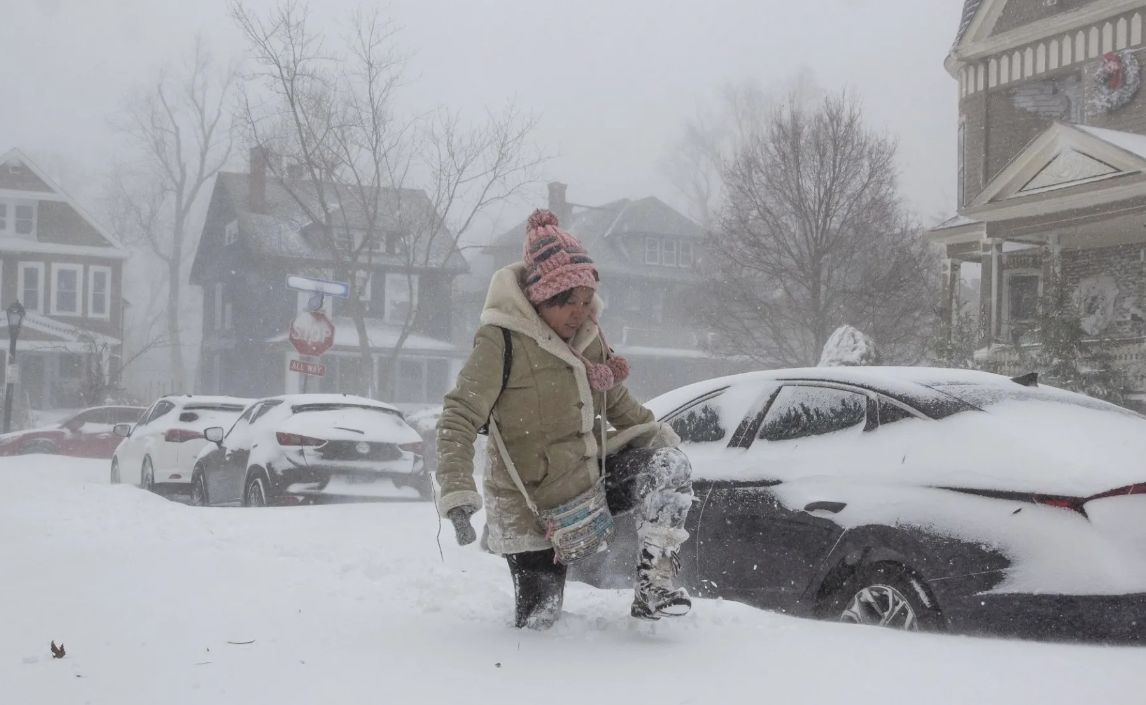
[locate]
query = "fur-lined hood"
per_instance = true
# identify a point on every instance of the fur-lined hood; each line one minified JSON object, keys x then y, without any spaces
{"x":507,"y":307}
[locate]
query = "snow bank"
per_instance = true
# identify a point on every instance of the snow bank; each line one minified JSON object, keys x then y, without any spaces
{"x":848,"y":346}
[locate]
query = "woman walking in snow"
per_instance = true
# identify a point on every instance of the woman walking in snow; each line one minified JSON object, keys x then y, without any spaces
{"x":543,"y":397}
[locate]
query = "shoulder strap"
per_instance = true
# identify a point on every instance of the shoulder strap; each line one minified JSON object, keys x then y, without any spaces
{"x":506,"y":366}
{"x":506,"y":358}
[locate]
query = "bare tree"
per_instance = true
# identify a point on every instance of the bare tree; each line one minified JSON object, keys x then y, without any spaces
{"x":812,"y":235}
{"x":347,"y":160}
{"x":179,"y":132}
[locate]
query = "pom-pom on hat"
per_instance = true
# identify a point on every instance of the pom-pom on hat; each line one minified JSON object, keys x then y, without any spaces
{"x":554,"y":260}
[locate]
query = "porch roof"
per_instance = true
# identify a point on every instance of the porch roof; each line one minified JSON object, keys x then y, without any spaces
{"x":1084,"y":186}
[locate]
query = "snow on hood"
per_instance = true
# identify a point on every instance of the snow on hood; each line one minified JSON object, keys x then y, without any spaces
{"x":849,"y":346}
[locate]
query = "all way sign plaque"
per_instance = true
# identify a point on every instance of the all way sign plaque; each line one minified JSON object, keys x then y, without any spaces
{"x":308,"y":368}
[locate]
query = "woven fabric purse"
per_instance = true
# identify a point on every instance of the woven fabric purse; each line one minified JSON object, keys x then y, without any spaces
{"x":581,"y":527}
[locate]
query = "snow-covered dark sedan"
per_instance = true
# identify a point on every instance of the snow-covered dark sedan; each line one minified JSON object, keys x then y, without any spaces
{"x":305,"y":447}
{"x":916,"y":498}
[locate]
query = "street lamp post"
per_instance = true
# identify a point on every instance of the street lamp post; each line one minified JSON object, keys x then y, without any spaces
{"x":15,"y":314}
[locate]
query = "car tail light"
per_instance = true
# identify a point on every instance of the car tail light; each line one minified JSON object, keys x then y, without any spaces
{"x":181,"y":435}
{"x":1140,"y":488}
{"x":1071,"y":503}
{"x":295,"y":439}
{"x":414,"y":447}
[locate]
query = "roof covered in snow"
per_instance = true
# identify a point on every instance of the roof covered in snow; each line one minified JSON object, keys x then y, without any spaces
{"x":282,"y":230}
{"x":604,"y":231}
{"x":382,"y":336}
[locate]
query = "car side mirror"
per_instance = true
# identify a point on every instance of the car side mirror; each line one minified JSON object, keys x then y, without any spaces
{"x":74,"y":425}
{"x":123,"y":430}
{"x":214,"y":434}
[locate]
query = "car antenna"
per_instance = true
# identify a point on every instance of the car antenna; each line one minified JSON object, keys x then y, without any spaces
{"x":1030,"y":379}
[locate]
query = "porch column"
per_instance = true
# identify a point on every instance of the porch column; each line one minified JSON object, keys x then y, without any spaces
{"x":989,"y":292}
{"x":951,"y":281}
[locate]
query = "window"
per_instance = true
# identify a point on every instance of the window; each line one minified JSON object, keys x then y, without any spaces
{"x":398,"y":301}
{"x":700,"y":424}
{"x":31,"y":286}
{"x":411,"y":382}
{"x":799,"y":412}
{"x":18,"y":218}
{"x":685,"y":257}
{"x":1022,"y":297}
{"x":230,"y":233}
{"x":99,"y":292}
{"x":668,"y":253}
{"x":25,"y":219}
{"x":66,"y":280}
{"x":161,"y":407}
{"x":652,"y":250}
{"x":890,"y":412}
{"x":218,"y":307}
{"x":364,"y":281}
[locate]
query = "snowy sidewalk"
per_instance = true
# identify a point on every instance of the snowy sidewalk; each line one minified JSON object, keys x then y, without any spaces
{"x":156,"y":603}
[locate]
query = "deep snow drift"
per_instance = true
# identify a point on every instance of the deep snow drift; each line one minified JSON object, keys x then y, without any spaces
{"x":156,"y":603}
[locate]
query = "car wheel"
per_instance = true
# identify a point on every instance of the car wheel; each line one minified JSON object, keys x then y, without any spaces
{"x":115,"y":480}
{"x":255,"y":494}
{"x":198,"y":491}
{"x":147,"y":476}
{"x":887,"y":595}
{"x":38,"y":446}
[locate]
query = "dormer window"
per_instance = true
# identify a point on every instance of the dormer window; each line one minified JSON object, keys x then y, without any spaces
{"x":18,"y":219}
{"x":652,"y":250}
{"x":668,"y":251}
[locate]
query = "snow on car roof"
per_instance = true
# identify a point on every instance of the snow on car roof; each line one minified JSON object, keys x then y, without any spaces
{"x":902,"y":380}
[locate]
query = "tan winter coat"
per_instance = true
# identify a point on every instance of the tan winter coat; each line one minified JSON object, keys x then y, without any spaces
{"x":546,"y":416}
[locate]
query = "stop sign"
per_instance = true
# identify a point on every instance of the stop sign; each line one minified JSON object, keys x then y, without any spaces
{"x":311,"y":333}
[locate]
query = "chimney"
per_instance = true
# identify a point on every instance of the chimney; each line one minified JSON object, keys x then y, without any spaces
{"x":257,"y":186}
{"x":557,"y":202}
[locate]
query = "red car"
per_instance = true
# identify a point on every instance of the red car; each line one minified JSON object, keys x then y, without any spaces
{"x":88,"y":434}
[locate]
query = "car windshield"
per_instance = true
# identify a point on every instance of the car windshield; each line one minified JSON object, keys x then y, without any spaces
{"x":983,"y":396}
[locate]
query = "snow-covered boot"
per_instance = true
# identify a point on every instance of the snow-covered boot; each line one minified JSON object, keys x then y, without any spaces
{"x":654,"y":595}
{"x":538,"y":588}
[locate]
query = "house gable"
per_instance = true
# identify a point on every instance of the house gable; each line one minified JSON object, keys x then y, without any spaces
{"x":1012,"y":14}
{"x":990,"y":26}
{"x":60,"y":220}
{"x":1063,"y":157}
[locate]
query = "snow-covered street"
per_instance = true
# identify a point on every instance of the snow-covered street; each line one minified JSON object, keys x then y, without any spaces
{"x":158,"y":602}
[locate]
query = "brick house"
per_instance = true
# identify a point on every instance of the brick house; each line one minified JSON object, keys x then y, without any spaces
{"x":67,"y":272}
{"x":645,"y":252}
{"x":1051,"y":169}
{"x":255,"y":236}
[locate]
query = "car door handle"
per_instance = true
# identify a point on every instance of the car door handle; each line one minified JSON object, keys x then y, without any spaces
{"x":833,"y":507}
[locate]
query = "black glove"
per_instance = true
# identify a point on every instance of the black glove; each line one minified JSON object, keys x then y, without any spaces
{"x":460,"y":516}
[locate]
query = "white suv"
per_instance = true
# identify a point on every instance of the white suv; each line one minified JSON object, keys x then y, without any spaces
{"x":160,"y":450}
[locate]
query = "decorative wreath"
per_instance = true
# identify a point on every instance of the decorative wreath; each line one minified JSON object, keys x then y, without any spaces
{"x":1116,"y":80}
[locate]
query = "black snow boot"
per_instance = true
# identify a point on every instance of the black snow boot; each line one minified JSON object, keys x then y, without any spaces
{"x":655,"y":596}
{"x":538,"y":588}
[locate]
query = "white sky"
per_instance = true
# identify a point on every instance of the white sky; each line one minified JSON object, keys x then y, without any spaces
{"x":613,"y":82}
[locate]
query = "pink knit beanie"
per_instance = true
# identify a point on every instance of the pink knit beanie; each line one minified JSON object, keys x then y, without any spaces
{"x":554,"y":260}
